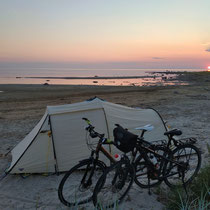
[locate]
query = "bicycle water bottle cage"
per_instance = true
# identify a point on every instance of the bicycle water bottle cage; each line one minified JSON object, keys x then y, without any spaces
{"x":174,"y":132}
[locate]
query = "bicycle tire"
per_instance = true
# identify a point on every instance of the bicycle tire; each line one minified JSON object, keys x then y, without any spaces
{"x":142,"y":168}
{"x":190,"y":157}
{"x":117,"y":179}
{"x":70,"y":189}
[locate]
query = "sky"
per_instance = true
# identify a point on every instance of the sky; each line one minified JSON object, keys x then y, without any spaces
{"x":105,"y":33}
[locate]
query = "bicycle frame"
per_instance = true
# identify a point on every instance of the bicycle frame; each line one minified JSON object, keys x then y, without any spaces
{"x":164,"y":160}
{"x":99,"y":149}
{"x":96,"y":152}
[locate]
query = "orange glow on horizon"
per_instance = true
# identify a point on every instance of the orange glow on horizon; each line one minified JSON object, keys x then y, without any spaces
{"x":208,"y":68}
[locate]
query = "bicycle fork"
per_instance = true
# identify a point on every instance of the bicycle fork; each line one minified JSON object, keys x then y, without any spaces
{"x":87,"y":183}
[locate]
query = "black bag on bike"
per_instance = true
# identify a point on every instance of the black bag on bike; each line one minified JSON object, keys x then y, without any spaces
{"x":124,"y":140}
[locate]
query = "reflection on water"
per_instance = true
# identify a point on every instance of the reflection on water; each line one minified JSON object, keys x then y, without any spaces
{"x":156,"y":76}
{"x":159,"y":81}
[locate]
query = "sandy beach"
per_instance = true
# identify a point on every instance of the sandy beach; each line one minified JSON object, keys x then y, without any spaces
{"x":22,"y":106}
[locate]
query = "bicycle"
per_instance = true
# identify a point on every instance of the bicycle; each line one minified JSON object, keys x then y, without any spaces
{"x":91,"y":169}
{"x":181,"y":150}
{"x":77,"y":185}
{"x":167,"y":166}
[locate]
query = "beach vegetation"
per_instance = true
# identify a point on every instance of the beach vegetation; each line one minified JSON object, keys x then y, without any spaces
{"x":116,"y":206}
{"x":196,"y":198}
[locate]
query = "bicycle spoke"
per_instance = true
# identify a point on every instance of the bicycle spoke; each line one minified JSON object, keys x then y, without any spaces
{"x":113,"y":185}
{"x":78,"y":184}
{"x":186,"y":163}
{"x":143,"y":170}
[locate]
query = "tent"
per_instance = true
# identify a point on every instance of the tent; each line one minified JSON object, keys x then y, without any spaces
{"x":57,"y":142}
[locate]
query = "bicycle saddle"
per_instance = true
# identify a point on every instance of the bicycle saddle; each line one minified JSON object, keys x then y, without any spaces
{"x":148,"y":127}
{"x":174,"y":132}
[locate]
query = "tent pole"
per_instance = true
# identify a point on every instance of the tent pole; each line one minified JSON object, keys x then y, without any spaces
{"x":110,"y":150}
{"x":164,"y":124}
{"x":55,"y":158}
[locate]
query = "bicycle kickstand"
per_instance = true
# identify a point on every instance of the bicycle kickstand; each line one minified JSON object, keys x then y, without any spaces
{"x":149,"y":191}
{"x":184,"y":184}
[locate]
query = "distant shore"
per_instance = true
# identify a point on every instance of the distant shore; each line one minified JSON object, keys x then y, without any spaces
{"x":152,"y":75}
{"x":152,"y":78}
{"x":95,"y":77}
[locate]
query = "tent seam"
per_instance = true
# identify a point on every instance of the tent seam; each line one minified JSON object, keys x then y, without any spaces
{"x":74,"y":111}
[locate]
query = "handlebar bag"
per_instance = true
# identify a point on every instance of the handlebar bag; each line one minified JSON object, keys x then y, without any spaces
{"x":124,"y":140}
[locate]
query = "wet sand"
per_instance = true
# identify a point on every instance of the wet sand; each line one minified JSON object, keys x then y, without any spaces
{"x":22,"y":106}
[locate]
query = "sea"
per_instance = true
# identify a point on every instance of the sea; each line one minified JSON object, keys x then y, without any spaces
{"x":14,"y":75}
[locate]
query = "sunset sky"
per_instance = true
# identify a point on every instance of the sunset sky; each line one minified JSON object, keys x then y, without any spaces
{"x":106,"y":33}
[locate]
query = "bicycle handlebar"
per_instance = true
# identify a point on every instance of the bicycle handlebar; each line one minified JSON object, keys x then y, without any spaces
{"x":95,"y":134}
{"x":86,"y":120}
{"x":90,"y":129}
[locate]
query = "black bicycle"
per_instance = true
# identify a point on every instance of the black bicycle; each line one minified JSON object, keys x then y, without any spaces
{"x":153,"y":164}
{"x":182,"y":151}
{"x":150,"y":165}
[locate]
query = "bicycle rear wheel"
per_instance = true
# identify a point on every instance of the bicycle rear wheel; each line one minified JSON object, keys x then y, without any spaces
{"x":188,"y":158}
{"x":114,"y":184}
{"x":78,"y":183}
{"x":145,"y":171}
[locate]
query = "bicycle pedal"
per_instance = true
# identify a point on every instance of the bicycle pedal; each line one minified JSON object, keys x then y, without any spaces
{"x":154,"y":176}
{"x":149,"y":192}
{"x":160,"y":178}
{"x":128,"y":198}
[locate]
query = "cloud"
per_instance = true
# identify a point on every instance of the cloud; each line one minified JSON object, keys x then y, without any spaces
{"x":157,"y":58}
{"x":208,"y":49}
{"x":205,"y":43}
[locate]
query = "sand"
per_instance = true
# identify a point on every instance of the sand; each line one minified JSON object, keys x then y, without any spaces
{"x":22,"y":106}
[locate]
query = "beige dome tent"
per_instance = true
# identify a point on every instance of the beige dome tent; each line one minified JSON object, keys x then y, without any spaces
{"x":58,"y":142}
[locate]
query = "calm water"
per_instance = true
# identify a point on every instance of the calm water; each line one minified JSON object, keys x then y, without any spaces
{"x":8,"y":76}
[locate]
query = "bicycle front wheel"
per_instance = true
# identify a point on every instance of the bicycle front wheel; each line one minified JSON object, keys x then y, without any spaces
{"x":113,"y":185}
{"x":185,"y":166}
{"x":78,"y":183}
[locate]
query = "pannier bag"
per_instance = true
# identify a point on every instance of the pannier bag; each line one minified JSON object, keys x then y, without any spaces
{"x":124,"y":140}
